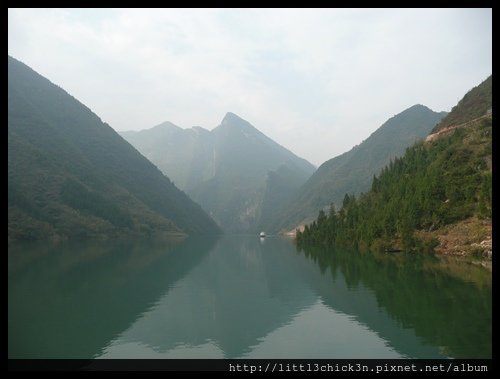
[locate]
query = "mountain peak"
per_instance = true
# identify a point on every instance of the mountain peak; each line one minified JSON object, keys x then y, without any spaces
{"x":166,"y":125}
{"x":232,"y":122}
{"x":230,"y":118}
{"x":415,"y":110}
{"x":420,"y":107}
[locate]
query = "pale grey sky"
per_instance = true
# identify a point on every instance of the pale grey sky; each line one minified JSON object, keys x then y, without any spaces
{"x":317,"y":81}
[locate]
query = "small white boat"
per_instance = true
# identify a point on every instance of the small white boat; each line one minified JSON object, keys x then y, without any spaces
{"x":262,"y":234}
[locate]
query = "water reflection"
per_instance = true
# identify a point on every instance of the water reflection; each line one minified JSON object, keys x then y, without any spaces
{"x":239,"y":293}
{"x":254,"y":300}
{"x":242,"y":297}
{"x":69,"y":300}
{"x":446,"y":304}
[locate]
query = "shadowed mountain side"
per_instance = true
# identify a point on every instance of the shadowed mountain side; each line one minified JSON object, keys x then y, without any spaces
{"x":120,"y":280}
{"x":71,"y":175}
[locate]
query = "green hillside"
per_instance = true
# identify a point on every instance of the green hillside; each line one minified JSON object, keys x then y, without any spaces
{"x":476,"y":103}
{"x":71,"y":175}
{"x":353,"y":171}
{"x":235,"y":172}
{"x":437,"y":196}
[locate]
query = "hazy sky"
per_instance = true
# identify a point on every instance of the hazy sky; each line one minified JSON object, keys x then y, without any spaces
{"x":317,"y":81}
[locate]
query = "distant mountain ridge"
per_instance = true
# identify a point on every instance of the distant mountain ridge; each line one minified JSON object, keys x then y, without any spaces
{"x":71,"y":175}
{"x":353,"y":171}
{"x":234,"y":171}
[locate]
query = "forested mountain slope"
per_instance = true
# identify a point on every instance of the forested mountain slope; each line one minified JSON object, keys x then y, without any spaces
{"x":353,"y":171}
{"x":71,"y":175}
{"x":438,"y":196}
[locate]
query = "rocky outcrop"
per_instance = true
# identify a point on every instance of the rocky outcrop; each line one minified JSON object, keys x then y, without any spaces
{"x":486,"y":246}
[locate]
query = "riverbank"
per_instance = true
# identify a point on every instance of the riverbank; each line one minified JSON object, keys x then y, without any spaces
{"x":470,"y":237}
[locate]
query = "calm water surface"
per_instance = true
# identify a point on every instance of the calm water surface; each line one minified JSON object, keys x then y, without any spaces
{"x":242,"y":297}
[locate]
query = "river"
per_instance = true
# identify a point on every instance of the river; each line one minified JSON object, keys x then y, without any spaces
{"x":242,"y":297}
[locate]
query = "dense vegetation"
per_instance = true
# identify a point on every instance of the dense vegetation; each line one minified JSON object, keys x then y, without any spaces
{"x":435,"y":184}
{"x":71,"y":175}
{"x":235,"y":172}
{"x":352,"y":172}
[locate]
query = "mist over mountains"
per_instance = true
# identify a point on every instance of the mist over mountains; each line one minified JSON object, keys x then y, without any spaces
{"x":97,"y":184}
{"x":235,"y":172}
{"x":247,"y":182}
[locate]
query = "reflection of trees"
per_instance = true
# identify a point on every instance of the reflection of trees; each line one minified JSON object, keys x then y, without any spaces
{"x":72,"y":300}
{"x":419,"y":293}
{"x":69,"y":300}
